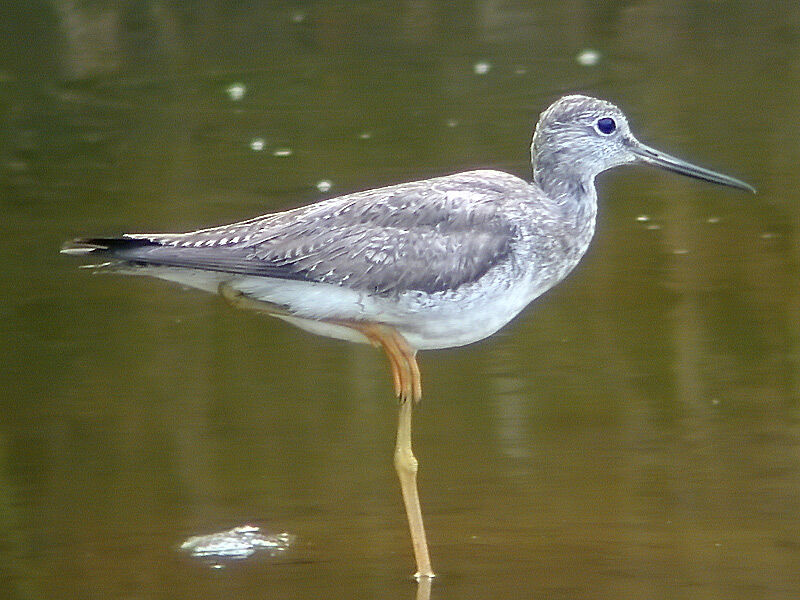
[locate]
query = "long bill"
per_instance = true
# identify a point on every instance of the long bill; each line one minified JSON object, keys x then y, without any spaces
{"x":671,"y":163}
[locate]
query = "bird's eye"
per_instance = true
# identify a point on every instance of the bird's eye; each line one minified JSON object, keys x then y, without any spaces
{"x":606,"y":125}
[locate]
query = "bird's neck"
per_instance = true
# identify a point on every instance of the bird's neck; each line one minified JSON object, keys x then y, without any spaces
{"x":570,"y":188}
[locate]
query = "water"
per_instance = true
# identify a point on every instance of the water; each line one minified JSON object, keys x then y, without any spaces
{"x":633,"y":434}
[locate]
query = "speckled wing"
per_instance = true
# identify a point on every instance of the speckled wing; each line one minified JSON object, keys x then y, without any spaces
{"x":429,"y":236}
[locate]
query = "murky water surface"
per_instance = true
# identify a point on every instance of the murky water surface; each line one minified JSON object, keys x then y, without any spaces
{"x":634,"y":434}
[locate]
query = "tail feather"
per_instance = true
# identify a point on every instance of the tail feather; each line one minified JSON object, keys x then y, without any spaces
{"x":83,"y":246}
{"x":129,"y":251}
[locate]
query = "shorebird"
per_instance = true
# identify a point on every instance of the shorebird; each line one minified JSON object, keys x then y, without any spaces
{"x":429,"y":264}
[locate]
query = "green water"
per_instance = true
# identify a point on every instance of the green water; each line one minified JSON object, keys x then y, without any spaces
{"x":633,"y":434}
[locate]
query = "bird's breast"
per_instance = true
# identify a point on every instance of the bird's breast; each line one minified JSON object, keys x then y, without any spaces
{"x":475,"y":311}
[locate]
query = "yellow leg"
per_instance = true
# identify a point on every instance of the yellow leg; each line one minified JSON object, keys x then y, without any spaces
{"x":406,"y":465}
{"x":241,"y":300}
{"x":402,"y":357}
{"x":408,"y":387}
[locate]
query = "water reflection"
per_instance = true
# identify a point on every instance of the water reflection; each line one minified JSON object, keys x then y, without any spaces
{"x":424,"y":588}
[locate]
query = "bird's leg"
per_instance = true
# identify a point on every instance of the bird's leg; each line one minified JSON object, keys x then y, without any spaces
{"x":408,"y":387}
{"x":397,"y":364}
{"x":405,"y":361}
{"x":413,"y":368}
{"x":402,"y":357}
{"x":239,"y":299}
{"x":405,"y":463}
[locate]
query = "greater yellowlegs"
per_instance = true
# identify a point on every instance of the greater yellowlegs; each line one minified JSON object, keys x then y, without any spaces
{"x":429,"y":264}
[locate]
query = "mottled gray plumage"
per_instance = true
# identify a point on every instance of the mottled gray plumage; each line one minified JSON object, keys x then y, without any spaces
{"x":446,"y":261}
{"x":428,"y":236}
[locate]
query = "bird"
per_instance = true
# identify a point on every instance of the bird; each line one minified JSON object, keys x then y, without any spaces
{"x":423,"y":265}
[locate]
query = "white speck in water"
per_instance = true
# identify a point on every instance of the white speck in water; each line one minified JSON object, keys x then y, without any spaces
{"x":680,"y":251}
{"x":451,"y":123}
{"x":257,"y":144}
{"x":236,"y":91}
{"x":653,"y":226}
{"x":715,"y":401}
{"x":588,"y":57}
{"x":297,"y":16}
{"x":282,"y":152}
{"x":768,"y":235}
{"x":643,"y":218}
{"x":712,"y":220}
{"x":520,"y":71}
{"x":324,"y":185}
{"x":365,"y":135}
{"x":481,"y":67}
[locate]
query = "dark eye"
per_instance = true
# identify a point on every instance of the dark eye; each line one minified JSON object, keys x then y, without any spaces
{"x":606,"y":125}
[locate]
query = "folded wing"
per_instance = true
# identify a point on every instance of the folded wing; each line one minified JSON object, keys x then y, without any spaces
{"x":428,"y":236}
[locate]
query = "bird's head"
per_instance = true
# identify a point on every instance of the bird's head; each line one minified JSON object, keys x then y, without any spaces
{"x":578,"y":137}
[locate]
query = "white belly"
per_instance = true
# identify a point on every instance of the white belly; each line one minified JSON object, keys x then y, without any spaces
{"x":446,"y":320}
